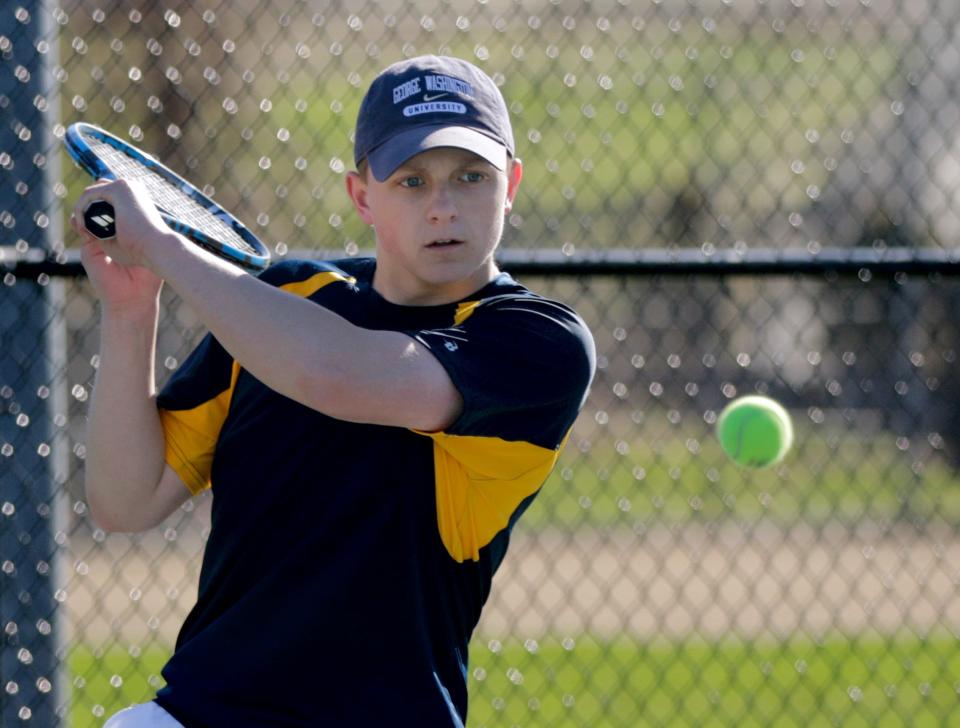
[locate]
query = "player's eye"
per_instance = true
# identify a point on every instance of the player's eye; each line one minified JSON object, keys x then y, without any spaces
{"x":473,"y":176}
{"x":412,"y":181}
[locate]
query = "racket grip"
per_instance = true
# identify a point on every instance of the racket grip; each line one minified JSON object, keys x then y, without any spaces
{"x":100,"y":220}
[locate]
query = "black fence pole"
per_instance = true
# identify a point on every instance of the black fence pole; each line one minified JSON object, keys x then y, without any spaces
{"x":29,"y":221}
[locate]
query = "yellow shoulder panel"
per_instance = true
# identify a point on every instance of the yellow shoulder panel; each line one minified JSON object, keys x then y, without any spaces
{"x":191,"y":436}
{"x":480,"y":482}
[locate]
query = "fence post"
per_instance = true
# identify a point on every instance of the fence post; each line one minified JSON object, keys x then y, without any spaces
{"x":29,"y":220}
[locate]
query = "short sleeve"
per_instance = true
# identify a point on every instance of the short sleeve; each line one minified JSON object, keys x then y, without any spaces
{"x":193,"y":406}
{"x":523,"y":365}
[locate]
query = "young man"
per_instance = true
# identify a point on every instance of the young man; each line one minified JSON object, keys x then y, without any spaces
{"x":371,"y":428}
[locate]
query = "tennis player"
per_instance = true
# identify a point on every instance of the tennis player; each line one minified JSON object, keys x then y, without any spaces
{"x":371,"y":428}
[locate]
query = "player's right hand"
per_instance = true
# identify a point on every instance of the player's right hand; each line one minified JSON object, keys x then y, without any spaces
{"x":140,"y":231}
{"x":112,"y":266}
{"x":127,"y":289}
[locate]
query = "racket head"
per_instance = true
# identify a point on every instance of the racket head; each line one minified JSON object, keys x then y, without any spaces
{"x":184,"y":208}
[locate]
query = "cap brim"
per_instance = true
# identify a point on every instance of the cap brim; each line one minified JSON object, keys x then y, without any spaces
{"x":385,"y":159}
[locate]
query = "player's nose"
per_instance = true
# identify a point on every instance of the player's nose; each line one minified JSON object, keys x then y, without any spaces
{"x":443,"y":206}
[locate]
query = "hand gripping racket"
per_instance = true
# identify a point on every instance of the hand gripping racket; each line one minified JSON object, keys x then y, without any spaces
{"x":182,"y":206}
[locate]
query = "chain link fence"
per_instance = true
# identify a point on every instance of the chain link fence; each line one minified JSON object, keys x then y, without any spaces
{"x":652,"y":583}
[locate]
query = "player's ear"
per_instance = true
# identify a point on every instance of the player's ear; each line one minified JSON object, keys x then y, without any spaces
{"x":514,"y":175}
{"x":357,"y":191}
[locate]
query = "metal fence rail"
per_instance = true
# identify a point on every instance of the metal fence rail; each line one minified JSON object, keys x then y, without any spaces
{"x":737,"y":197}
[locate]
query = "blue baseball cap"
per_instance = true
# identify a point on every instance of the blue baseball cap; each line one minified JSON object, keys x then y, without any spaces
{"x":429,"y":102}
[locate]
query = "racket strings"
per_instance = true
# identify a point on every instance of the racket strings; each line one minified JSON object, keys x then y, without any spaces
{"x":168,"y":196}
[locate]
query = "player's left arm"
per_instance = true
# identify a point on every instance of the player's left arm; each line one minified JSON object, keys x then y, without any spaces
{"x":309,"y":353}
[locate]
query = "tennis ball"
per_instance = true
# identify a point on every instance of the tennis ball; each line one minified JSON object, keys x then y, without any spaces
{"x":755,"y":431}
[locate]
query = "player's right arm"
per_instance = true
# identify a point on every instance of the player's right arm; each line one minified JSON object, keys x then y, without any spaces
{"x":128,"y":485}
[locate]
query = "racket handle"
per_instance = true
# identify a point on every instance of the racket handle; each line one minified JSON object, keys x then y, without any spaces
{"x":100,"y":220}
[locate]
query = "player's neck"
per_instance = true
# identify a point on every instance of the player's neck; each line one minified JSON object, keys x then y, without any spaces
{"x":407,"y":290}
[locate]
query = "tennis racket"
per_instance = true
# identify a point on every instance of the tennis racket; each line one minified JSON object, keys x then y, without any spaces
{"x":181,"y":205}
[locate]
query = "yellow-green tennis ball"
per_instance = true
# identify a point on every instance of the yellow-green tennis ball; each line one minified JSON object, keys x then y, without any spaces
{"x":755,"y":431}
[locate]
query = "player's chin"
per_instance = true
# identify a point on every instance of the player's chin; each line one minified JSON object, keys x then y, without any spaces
{"x":449,"y":254}
{"x":457,"y":258}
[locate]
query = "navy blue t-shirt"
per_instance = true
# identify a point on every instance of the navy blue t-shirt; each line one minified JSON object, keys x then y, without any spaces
{"x":347,"y":563}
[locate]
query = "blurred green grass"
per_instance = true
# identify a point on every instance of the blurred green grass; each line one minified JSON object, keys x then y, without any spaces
{"x":865,"y":680}
{"x":676,"y":477}
{"x":105,"y":679}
